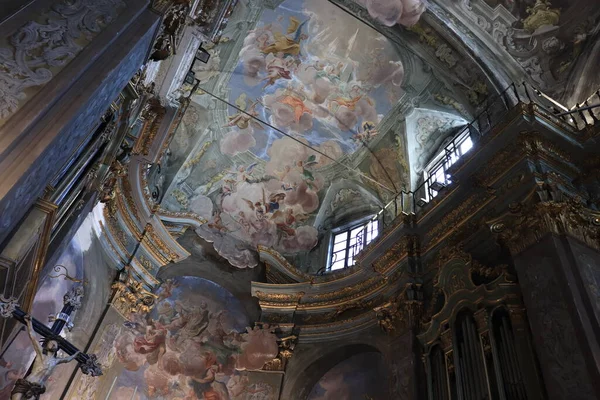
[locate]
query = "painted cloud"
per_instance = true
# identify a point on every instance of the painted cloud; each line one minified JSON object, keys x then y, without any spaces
{"x":392,"y":12}
{"x":237,"y":141}
{"x":322,"y":78}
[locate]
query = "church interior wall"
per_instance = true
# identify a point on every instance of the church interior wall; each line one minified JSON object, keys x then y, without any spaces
{"x":201,"y":233}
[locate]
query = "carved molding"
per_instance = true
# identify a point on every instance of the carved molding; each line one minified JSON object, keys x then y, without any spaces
{"x":38,"y":51}
{"x":403,"y":312}
{"x":406,"y":246}
{"x":153,"y":115}
{"x":526,"y":223}
{"x":454,"y":279}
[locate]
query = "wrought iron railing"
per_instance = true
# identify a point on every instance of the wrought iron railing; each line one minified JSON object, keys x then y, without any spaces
{"x":494,"y":111}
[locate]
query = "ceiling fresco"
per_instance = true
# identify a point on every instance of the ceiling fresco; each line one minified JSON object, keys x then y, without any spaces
{"x":293,"y":100}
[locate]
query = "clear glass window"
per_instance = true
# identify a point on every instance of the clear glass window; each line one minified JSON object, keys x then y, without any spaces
{"x":437,"y":170}
{"x":348,"y":243}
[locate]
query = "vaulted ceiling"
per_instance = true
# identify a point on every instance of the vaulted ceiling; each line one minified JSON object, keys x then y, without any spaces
{"x":308,"y":110}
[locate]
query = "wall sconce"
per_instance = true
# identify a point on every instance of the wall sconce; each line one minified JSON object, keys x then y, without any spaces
{"x":437,"y":186}
{"x":421,"y":202}
{"x":190,"y":77}
{"x":202,"y":54}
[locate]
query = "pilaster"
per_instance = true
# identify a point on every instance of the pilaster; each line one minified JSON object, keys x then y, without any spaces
{"x":564,"y":330}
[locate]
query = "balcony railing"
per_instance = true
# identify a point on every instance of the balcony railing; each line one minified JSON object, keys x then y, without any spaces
{"x":494,"y":112}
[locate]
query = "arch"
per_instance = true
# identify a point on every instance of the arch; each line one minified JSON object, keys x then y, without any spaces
{"x":371,"y":204}
{"x":427,"y":129}
{"x":204,"y":263}
{"x":313,"y":363}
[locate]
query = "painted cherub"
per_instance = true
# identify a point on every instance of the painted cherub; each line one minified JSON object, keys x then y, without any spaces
{"x":246,"y":116}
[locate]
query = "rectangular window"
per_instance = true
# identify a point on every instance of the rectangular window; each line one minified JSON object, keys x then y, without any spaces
{"x":348,"y":243}
{"x":436,"y":173}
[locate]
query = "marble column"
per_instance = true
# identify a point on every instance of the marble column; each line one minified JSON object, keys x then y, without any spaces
{"x":560,"y":278}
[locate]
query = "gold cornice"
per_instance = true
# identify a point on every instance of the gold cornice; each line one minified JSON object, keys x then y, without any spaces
{"x":122,"y":209}
{"x":115,"y":231}
{"x":284,"y":263}
{"x":128,"y":192}
{"x":535,"y":145}
{"x":407,"y":245}
{"x":154,"y":240}
{"x":456,"y":218}
{"x":106,"y":234}
{"x":181,"y":215}
{"x":367,"y":289}
{"x":526,"y":223}
{"x":153,"y":115}
{"x":553,"y":120}
{"x":498,"y":166}
{"x":340,"y":326}
{"x":272,"y":300}
{"x":161,"y":211}
{"x":358,"y":304}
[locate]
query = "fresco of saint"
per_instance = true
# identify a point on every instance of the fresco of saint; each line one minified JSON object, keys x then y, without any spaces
{"x":194,"y":345}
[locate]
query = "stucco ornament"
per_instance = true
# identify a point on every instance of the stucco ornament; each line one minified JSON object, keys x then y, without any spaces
{"x":541,"y":14}
{"x":37,"y":51}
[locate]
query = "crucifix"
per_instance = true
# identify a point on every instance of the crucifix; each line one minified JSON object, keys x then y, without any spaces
{"x":33,"y":385}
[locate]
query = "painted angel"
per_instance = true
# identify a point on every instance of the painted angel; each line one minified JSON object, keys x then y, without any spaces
{"x":258,"y":208}
{"x":247,"y":116}
{"x":283,"y":44}
{"x":368,"y":133}
{"x":278,"y":69}
{"x":167,"y":289}
{"x":304,"y":166}
{"x":244,"y":174}
{"x":284,"y":220}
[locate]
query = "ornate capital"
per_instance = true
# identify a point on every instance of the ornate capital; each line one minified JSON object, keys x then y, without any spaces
{"x":525,"y":224}
{"x":286,"y":351}
{"x":403,"y":312}
{"x":131,"y":296}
